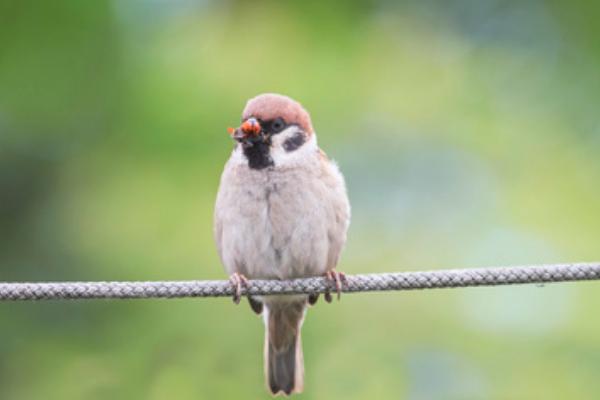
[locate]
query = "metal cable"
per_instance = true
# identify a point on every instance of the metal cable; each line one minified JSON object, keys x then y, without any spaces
{"x":354,"y":283}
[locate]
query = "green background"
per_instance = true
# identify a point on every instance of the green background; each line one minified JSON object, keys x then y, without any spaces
{"x":469,"y":135}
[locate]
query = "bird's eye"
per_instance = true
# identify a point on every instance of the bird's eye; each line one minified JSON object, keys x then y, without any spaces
{"x":277,"y":125}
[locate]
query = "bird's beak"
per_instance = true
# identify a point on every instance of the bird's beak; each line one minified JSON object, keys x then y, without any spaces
{"x":250,"y":128}
{"x":236,"y":133}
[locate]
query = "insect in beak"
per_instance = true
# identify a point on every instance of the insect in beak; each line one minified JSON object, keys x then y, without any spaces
{"x":236,"y":134}
{"x":249,"y":129}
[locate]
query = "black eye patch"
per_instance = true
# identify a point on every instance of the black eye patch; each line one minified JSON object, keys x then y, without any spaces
{"x":274,"y":126}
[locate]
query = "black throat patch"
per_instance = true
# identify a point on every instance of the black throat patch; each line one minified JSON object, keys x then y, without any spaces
{"x":258,"y":155}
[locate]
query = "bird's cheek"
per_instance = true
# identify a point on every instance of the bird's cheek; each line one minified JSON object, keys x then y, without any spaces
{"x":277,"y":141}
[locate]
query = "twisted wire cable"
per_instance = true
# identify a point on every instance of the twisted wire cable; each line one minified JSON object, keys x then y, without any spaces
{"x":353,"y":283}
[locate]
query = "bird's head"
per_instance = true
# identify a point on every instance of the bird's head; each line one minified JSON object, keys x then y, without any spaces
{"x":273,"y":126}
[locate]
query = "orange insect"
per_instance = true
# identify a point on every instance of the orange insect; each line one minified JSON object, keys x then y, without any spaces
{"x":251,"y":127}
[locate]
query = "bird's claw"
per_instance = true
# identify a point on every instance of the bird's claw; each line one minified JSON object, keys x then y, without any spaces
{"x":237,"y":280}
{"x":339,"y":280}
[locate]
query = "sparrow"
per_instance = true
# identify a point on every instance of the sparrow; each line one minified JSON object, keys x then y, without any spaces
{"x":282,"y":212}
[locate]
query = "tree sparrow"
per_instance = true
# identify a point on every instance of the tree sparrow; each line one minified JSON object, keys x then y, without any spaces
{"x":282,"y":212}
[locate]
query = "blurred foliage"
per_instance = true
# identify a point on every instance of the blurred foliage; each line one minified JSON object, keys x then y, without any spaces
{"x":469,"y":135}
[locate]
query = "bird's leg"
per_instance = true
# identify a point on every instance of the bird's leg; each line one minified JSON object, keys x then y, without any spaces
{"x":237,"y":280}
{"x":339,"y":279}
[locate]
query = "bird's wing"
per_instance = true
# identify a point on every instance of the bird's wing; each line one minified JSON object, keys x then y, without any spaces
{"x":220,"y":209}
{"x":218,"y":232}
{"x":339,"y":215}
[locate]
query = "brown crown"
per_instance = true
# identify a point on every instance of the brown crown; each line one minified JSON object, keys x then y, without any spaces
{"x":269,"y":106}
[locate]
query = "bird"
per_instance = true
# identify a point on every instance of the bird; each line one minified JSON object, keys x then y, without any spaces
{"x":282,"y":212}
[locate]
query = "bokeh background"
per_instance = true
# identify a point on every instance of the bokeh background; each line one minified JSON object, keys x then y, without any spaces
{"x":469,"y":134}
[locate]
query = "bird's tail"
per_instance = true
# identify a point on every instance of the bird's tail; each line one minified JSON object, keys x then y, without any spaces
{"x":284,"y":363}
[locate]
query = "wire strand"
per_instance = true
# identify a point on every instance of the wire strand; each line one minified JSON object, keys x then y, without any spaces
{"x":353,"y":283}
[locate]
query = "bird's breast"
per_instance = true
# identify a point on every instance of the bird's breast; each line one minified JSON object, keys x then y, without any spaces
{"x":277,"y":226}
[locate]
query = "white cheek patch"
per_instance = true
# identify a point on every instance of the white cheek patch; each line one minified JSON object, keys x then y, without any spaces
{"x":280,"y":138}
{"x":289,"y":150}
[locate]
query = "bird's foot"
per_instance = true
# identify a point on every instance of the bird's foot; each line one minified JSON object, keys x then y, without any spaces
{"x":337,"y":278}
{"x":237,"y":280}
